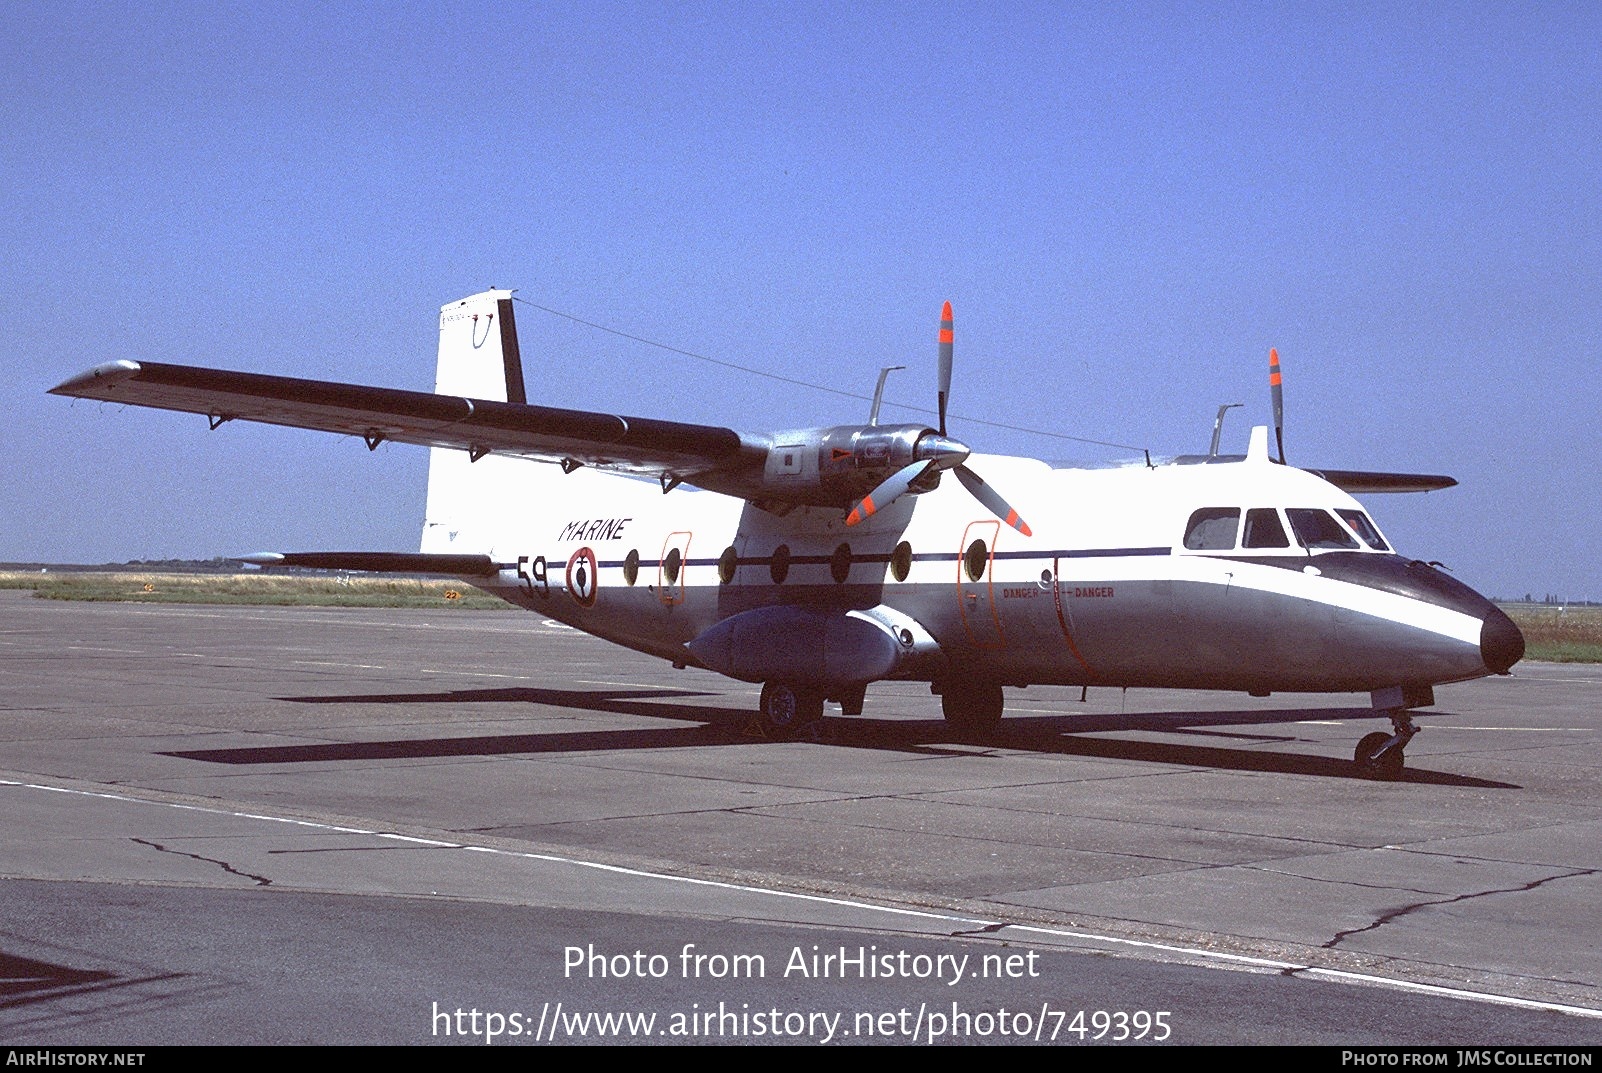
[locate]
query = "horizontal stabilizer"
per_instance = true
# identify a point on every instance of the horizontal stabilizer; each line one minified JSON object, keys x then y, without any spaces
{"x":391,"y":562}
{"x":1356,"y":481}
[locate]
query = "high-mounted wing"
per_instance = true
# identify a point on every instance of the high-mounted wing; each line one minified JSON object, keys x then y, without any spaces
{"x":643,"y":446}
{"x":862,"y":466}
{"x":1359,"y":482}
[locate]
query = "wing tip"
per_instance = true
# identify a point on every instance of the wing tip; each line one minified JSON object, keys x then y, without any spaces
{"x":110,"y":371}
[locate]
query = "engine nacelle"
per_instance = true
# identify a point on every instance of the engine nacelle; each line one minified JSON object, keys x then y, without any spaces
{"x":837,"y":466}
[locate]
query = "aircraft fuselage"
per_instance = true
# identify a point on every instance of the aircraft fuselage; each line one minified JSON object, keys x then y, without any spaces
{"x":1105,"y":591}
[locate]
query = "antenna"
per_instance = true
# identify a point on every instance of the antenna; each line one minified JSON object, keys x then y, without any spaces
{"x":1218,"y":426}
{"x":878,"y":392}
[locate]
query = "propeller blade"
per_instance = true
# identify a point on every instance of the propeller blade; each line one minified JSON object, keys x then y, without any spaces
{"x":1279,"y":401}
{"x":991,"y":499}
{"x":888,"y":492}
{"x":945,"y":362}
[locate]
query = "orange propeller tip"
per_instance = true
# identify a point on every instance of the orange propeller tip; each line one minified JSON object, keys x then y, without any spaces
{"x":945,"y":311}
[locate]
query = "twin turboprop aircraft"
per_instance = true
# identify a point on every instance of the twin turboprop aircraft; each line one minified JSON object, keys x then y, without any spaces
{"x":820,"y":560}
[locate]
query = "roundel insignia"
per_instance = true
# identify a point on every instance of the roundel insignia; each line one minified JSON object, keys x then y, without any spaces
{"x":582,"y":575}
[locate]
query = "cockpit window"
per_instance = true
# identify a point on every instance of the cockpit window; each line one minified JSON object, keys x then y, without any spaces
{"x":1317,"y":530}
{"x":1263,"y":529}
{"x":1364,"y":528}
{"x":1212,"y":529}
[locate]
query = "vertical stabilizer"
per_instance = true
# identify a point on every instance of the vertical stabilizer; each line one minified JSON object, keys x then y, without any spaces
{"x":478,"y":359}
{"x":478,"y":355}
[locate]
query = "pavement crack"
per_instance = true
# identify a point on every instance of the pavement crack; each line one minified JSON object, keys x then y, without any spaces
{"x":1398,"y":913}
{"x":260,"y":881}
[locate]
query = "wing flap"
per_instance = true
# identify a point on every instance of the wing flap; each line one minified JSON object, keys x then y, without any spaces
{"x":640,"y":445}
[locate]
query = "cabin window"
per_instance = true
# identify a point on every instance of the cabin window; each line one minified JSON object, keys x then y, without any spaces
{"x":901,"y":561}
{"x":727,"y":563}
{"x":1212,"y":529}
{"x":1364,"y":528}
{"x":840,"y":563}
{"x":670,"y":566}
{"x":1317,"y":530}
{"x":779,"y":565}
{"x":631,"y":566}
{"x":975,"y":560}
{"x":1263,"y":530}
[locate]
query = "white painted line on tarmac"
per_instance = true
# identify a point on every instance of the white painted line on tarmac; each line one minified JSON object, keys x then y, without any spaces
{"x":967,"y":923}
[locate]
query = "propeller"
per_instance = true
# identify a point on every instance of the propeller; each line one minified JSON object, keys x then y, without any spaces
{"x":935,"y":453}
{"x":1279,"y":401}
{"x":946,"y":339}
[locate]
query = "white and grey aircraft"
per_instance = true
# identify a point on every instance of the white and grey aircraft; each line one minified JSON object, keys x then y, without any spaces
{"x":820,"y":560}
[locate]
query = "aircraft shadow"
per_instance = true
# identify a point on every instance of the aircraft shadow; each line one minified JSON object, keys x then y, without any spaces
{"x":736,"y":726}
{"x":1051,"y":735}
{"x":713,"y":726}
{"x":43,"y":993}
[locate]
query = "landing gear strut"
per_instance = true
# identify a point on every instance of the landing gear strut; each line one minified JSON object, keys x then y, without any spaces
{"x":786,"y":707}
{"x":1380,"y":755}
{"x":972,"y":707}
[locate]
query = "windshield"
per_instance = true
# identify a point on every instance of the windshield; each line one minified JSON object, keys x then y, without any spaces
{"x":1317,"y":530}
{"x":1364,"y":528}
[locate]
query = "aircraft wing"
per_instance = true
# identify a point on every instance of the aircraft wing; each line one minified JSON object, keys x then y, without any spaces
{"x":1359,"y":482}
{"x":642,"y":446}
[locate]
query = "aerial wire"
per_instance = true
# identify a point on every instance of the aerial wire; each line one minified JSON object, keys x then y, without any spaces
{"x":808,"y":384}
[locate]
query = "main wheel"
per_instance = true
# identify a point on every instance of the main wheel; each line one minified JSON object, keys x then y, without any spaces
{"x":1374,"y":764}
{"x":785,"y":708}
{"x":972,"y":708}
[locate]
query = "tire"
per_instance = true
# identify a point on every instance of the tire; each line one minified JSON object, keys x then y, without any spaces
{"x":785,"y":708}
{"x":1374,"y":766}
{"x":972,"y":708}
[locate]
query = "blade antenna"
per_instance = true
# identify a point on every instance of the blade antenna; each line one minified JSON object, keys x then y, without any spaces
{"x":1279,"y":401}
{"x":878,"y":392}
{"x":1218,"y":426}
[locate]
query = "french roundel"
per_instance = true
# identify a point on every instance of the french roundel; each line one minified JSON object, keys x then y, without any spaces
{"x":582,"y":575}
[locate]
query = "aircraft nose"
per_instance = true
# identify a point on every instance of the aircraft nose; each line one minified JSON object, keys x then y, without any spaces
{"x":1501,"y":643}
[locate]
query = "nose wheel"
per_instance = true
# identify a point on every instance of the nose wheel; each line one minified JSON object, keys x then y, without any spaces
{"x":1380,"y":755}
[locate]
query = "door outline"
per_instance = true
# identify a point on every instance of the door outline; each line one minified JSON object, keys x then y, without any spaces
{"x":672,"y":592}
{"x":982,"y":623}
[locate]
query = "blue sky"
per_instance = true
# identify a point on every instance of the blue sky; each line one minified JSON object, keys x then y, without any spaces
{"x":1126,"y":204}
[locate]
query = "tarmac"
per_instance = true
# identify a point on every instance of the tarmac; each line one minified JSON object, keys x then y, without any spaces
{"x":182,"y":762}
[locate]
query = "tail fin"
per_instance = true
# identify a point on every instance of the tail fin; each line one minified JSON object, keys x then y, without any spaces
{"x":478,"y":359}
{"x":478,"y":355}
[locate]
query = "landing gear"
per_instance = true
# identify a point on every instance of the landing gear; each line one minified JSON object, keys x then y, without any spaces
{"x":1380,"y":755}
{"x":972,"y":707}
{"x":786,"y":707}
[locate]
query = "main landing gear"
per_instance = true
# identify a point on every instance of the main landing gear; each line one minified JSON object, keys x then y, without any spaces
{"x":786,"y":708}
{"x":972,"y":707}
{"x":1380,"y":755}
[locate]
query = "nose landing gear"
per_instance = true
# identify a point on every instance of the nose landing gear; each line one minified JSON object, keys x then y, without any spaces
{"x":1380,"y":755}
